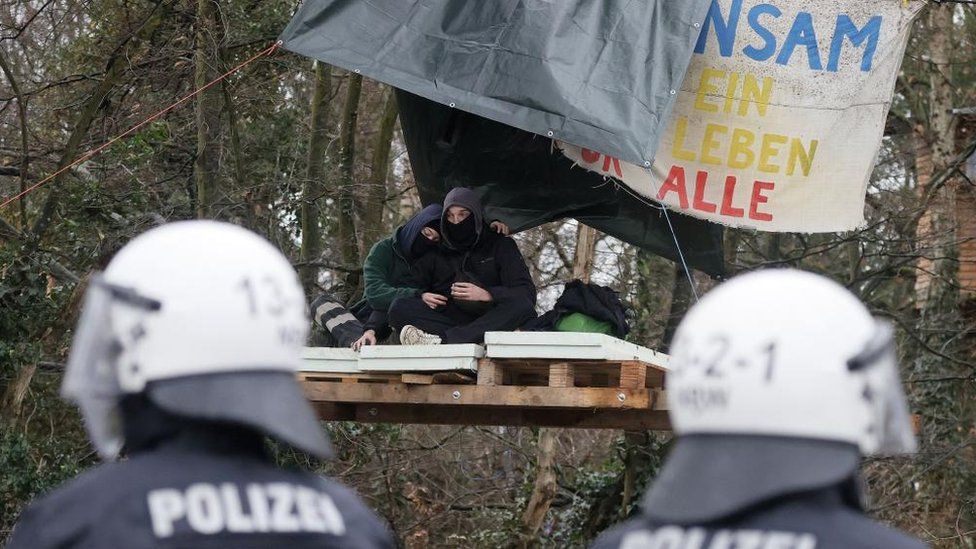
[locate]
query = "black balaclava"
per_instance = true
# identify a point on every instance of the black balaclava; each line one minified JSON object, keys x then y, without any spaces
{"x":407,"y":236}
{"x":422,"y":244}
{"x":464,"y":235}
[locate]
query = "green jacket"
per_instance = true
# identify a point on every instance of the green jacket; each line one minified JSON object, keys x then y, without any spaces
{"x":385,"y":271}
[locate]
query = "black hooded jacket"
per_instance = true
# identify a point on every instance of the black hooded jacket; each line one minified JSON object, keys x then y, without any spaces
{"x":493,"y":262}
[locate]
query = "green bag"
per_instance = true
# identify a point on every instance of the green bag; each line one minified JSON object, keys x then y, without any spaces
{"x":578,"y":322}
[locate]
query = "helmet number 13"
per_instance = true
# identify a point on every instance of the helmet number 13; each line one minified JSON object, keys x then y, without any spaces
{"x":263,"y":297}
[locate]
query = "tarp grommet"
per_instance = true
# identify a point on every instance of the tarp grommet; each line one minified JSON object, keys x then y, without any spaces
{"x":549,"y":133}
{"x":673,"y":92}
{"x":451,"y":104}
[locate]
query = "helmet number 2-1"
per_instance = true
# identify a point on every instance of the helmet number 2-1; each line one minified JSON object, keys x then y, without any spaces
{"x":715,"y":356}
{"x":265,"y":297}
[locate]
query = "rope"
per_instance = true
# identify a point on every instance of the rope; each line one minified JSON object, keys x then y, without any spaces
{"x":89,"y":155}
{"x":681,"y":255}
{"x":677,"y":245}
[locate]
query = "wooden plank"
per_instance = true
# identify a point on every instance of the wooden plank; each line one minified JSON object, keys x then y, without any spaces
{"x":561,"y":374}
{"x":339,"y":376}
{"x":634,"y":420}
{"x":490,"y":372}
{"x":462,"y":378}
{"x":417,"y":379}
{"x":482,"y":395}
{"x":633,"y":374}
{"x":439,"y":377}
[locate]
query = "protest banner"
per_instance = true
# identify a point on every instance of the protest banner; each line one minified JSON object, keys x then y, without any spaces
{"x":780,"y":116}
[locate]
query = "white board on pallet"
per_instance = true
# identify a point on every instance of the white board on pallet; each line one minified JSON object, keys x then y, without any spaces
{"x":569,"y":346}
{"x":420,"y":358}
{"x":329,"y":359}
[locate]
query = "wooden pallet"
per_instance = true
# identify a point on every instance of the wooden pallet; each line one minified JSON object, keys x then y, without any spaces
{"x":621,"y":394}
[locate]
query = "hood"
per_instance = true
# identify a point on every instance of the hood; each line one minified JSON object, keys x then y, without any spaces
{"x":468,"y":199}
{"x":410,"y":230}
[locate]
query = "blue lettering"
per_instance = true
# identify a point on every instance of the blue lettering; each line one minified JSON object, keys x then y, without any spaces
{"x":769,"y":41}
{"x":845,"y":28}
{"x":801,"y":34}
{"x":724,"y":29}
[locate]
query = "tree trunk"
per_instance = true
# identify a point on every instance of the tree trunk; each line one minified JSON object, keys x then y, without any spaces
{"x":348,"y":243}
{"x":25,"y":153}
{"x":314,"y":185}
{"x":372,"y":211}
{"x":240,"y":180}
{"x":206,"y":62}
{"x":681,"y":296}
{"x":544,"y":490}
{"x":936,"y":290}
{"x":636,"y":460}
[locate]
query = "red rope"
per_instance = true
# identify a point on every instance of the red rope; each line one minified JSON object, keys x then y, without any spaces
{"x":87,"y":156}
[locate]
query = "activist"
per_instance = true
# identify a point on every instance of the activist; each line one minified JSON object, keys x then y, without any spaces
{"x":186,"y":353}
{"x":385,"y":272}
{"x":780,"y":381}
{"x":475,"y":282}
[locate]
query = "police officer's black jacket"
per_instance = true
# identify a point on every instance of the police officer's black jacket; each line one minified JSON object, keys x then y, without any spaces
{"x":199,"y":490}
{"x":821,"y":519}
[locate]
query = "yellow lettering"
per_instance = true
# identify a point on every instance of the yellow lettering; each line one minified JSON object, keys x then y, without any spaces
{"x":769,"y":150}
{"x":709,"y":144}
{"x":797,"y":152}
{"x":705,"y":87}
{"x":751,"y":93}
{"x":730,"y":91}
{"x":740,"y":152}
{"x":677,"y":150}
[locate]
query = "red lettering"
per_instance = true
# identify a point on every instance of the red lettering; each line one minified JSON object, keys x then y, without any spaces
{"x":607,"y":160}
{"x":589,"y":156}
{"x":698,"y":202}
{"x":727,"y":208}
{"x":758,"y":198}
{"x":675,"y":182}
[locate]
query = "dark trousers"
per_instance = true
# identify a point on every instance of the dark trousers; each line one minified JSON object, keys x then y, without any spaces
{"x":454,"y":325}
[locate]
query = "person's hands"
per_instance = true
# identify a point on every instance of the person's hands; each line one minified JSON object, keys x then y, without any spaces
{"x":368,"y":338}
{"x":499,"y":227}
{"x":469,"y":292}
{"x":433,"y":300}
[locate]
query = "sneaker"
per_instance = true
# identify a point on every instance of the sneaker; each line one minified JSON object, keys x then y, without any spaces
{"x":412,"y":335}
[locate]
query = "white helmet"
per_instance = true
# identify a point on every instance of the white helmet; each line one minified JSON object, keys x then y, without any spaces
{"x":783,"y":372}
{"x":206,"y":318}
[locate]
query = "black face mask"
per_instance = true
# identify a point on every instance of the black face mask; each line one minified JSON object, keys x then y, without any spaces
{"x":421,"y":245}
{"x":462,"y":235}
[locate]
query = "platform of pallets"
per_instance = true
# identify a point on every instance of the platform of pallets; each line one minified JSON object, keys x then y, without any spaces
{"x":470,"y":385}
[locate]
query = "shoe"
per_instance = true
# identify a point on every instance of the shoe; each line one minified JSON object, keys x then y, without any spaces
{"x":412,"y":335}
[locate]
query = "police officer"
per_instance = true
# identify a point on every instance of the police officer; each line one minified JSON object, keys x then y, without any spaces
{"x":186,"y":353}
{"x":781,"y":380}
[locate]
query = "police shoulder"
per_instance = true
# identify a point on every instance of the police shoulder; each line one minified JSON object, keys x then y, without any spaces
{"x":64,"y":515}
